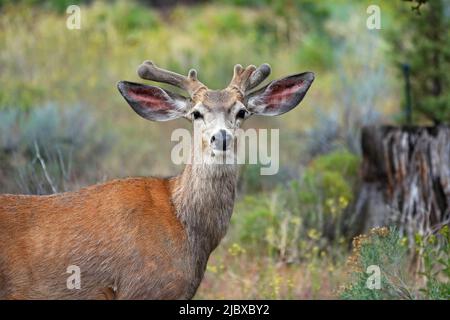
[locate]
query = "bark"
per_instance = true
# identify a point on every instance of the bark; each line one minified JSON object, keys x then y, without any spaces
{"x":405,"y":179}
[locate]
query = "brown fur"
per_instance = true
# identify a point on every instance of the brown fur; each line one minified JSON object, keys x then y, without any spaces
{"x":121,"y":234}
{"x":136,"y":238}
{"x":221,"y":99}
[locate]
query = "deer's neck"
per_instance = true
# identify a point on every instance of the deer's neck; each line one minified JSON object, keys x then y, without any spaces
{"x":203,"y":196}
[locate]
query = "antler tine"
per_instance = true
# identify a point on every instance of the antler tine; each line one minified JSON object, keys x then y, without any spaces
{"x":259,"y":75}
{"x":241,"y":77}
{"x":250,"y":77}
{"x":149,"y":71}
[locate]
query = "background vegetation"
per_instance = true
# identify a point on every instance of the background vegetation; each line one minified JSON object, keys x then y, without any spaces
{"x":63,"y":125}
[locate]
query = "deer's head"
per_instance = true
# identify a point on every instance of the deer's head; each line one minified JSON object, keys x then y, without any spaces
{"x":215,"y":113}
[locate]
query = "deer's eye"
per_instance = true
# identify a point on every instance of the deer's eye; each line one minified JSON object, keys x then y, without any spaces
{"x":241,"y":114}
{"x":197,"y":115}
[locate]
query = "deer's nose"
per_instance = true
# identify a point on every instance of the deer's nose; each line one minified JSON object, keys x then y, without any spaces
{"x":221,"y":140}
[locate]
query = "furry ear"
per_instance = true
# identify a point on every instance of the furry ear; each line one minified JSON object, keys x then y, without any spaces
{"x":281,"y":95}
{"x":153,"y":103}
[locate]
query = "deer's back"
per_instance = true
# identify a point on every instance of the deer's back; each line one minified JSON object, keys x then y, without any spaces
{"x":120,"y":234}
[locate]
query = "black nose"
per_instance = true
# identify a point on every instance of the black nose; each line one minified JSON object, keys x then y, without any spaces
{"x":221,"y":140}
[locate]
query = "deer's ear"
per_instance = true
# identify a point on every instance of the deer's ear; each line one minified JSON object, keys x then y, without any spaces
{"x":281,"y":95}
{"x":153,"y":103}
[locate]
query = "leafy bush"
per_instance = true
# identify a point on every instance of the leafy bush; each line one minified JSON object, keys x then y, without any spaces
{"x":255,"y":220}
{"x":325,"y":190}
{"x":334,"y":173}
{"x":301,"y":214}
{"x":434,"y":251}
{"x":384,"y":248}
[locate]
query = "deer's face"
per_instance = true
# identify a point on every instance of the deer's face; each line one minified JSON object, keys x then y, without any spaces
{"x":216,"y":118}
{"x":215,"y":114}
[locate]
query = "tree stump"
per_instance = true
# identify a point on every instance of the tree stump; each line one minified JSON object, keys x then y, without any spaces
{"x":405,"y":176}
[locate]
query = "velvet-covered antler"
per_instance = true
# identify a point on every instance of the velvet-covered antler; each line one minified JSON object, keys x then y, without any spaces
{"x":149,"y":71}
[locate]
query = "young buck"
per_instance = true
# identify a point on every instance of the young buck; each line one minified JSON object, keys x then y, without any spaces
{"x":142,"y":238}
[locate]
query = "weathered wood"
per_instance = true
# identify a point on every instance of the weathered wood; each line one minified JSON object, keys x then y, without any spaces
{"x":405,"y":176}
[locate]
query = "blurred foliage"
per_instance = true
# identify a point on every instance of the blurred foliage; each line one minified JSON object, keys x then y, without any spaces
{"x":251,"y":180}
{"x":50,"y":150}
{"x":334,"y":174}
{"x":303,"y":213}
{"x":115,"y":38}
{"x":421,"y":39}
{"x":42,"y":61}
{"x":51,"y":5}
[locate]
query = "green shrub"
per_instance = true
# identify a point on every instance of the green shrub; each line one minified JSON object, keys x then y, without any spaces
{"x":326,"y":188}
{"x":386,"y":249}
{"x":300,"y":216}
{"x":255,"y":218}
{"x":435,"y":253}
{"x":50,"y":150}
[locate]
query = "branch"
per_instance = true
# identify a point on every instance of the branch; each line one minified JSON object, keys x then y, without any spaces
{"x":417,"y":6}
{"x":44,"y":168}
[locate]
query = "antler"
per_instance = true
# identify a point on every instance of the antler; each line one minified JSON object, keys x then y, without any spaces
{"x":248,"y":78}
{"x":149,"y":71}
{"x":259,"y":75}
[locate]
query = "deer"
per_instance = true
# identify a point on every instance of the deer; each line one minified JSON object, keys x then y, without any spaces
{"x":143,"y":237}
